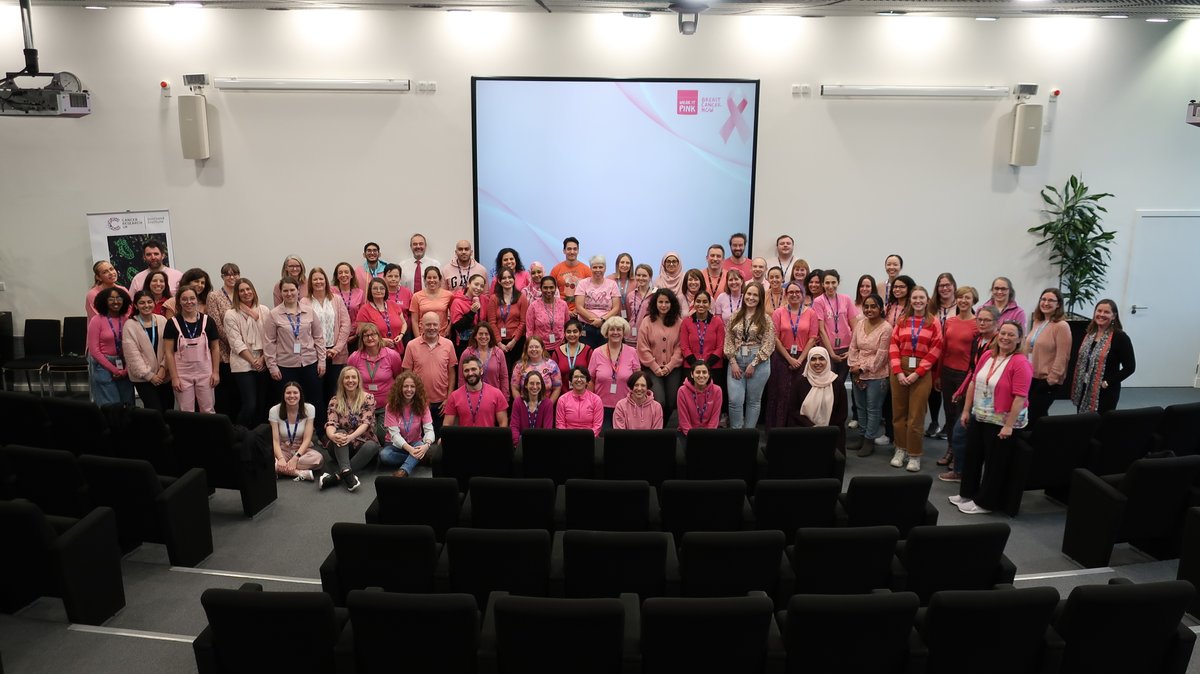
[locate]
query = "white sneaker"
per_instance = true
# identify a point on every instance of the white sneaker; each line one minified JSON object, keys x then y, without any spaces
{"x":969,"y":508}
{"x":853,"y":423}
{"x":958,"y":500}
{"x":914,"y":464}
{"x":304,"y":476}
{"x":898,"y":458}
{"x":882,"y":440}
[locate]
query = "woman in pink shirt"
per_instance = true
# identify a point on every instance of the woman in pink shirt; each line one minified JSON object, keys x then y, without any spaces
{"x":377,"y":365}
{"x":347,"y":291}
{"x":623,"y":277}
{"x":698,"y":400}
{"x":572,"y":351}
{"x":409,"y":425}
{"x":597,"y":299}
{"x":145,"y":359}
{"x":868,"y":359}
{"x":637,"y":301}
{"x":398,"y":294}
{"x":105,"y":275}
{"x":160,"y":290}
{"x":702,"y":338}
{"x":193,"y":357}
{"x":245,"y":324}
{"x":547,"y":317}
{"x":433,"y":297}
{"x":533,"y":291}
{"x":532,"y":409}
{"x":693,"y":282}
{"x":658,"y":347}
{"x":293,"y":267}
{"x":510,"y":259}
{"x":482,"y":345}
{"x":506,"y":309}
{"x":611,"y":365}
{"x":579,"y":407}
{"x":796,"y":331}
{"x":959,"y":332}
{"x":996,"y":407}
{"x":384,"y":315}
{"x":836,"y":317}
{"x":1049,"y":348}
{"x":110,"y":378}
{"x":535,"y":360}
{"x":468,"y":308}
{"x":639,"y":410}
{"x":866,"y":288}
{"x":728,"y":302}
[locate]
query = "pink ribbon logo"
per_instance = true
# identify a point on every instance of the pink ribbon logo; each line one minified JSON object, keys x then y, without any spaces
{"x":735,"y":120}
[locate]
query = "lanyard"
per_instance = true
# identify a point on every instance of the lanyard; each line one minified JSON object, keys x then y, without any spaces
{"x":746,"y":330}
{"x":835,"y":310}
{"x":1033,"y":336}
{"x":992,"y":366}
{"x":733,"y":309}
{"x":474,"y":409}
{"x":153,"y":330}
{"x":622,"y":288}
{"x":505,"y":308}
{"x":701,"y":411}
{"x":486,"y":358}
{"x":532,"y":414}
{"x":116,"y":335}
{"x":943,"y":314}
{"x":614,"y":362}
{"x":291,"y":432}
{"x":701,"y":333}
{"x":226,"y":293}
{"x":638,"y":311}
{"x":915,"y":332}
{"x":712,"y":285}
{"x":346,"y":299}
{"x":571,"y":358}
{"x":376,"y":272}
{"x":387,"y":320}
{"x":549,"y":317}
{"x":295,"y":325}
{"x":795,"y":322}
{"x":372,"y":370}
{"x":407,"y":421}
{"x":187,"y":331}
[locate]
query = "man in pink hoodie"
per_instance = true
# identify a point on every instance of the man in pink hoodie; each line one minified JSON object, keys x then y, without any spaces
{"x":639,"y":410}
{"x":699,"y":400}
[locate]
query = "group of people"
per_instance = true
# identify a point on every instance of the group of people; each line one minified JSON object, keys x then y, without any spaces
{"x":400,"y":349}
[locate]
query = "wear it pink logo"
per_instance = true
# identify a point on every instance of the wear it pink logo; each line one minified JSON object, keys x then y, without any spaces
{"x":688,"y":102}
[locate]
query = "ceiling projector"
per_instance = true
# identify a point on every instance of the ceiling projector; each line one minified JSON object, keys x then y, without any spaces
{"x":63,"y":97}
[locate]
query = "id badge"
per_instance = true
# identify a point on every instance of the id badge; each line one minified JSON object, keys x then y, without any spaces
{"x":372,"y":387}
{"x":120,"y":363}
{"x":551,"y":337}
{"x":296,"y":347}
{"x":612,"y":388}
{"x":504,"y":332}
{"x":837,"y":342}
{"x":745,"y":351}
{"x":913,"y":361}
{"x":794,"y":350}
{"x":633,"y":331}
{"x":623,"y":314}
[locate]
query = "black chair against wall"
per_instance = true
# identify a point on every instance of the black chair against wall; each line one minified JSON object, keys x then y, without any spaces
{"x":77,"y":560}
{"x":394,"y":557}
{"x":1144,"y":507}
{"x":448,"y":625}
{"x":724,"y":634}
{"x":1177,"y":430}
{"x":23,"y":420}
{"x":209,"y":441}
{"x":704,"y":505}
{"x":1189,"y":555}
{"x":49,"y":478}
{"x":42,"y":342}
{"x":468,"y":452}
{"x":788,"y":505}
{"x":151,"y":507}
{"x":79,"y":426}
{"x":722,"y":453}
{"x":246,"y":627}
{"x":509,"y":503}
{"x":732,"y":563}
{"x":609,"y":563}
{"x":899,"y":500}
{"x":1056,"y":446}
{"x":144,"y":434}
{"x":433,"y":501}
{"x":481,"y":561}
{"x":991,"y":632}
{"x":558,"y":454}
{"x":965,"y":557}
{"x":74,"y":352}
{"x":853,"y":560}
{"x":1122,"y":627}
{"x":804,"y":453}
{"x":607,"y":505}
{"x":1124,"y":436}
{"x":852,"y":633}
{"x":650,"y":455}
{"x":532,"y":635}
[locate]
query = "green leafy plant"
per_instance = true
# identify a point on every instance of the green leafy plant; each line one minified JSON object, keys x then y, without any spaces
{"x":1079,"y":245}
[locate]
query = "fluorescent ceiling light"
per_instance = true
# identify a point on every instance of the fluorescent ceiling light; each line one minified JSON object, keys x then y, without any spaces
{"x":187,"y":5}
{"x":94,"y":7}
{"x":637,"y":15}
{"x":894,"y":91}
{"x":985,"y":18}
{"x":891,"y":13}
{"x":1157,"y":20}
{"x":1114,"y":16}
{"x":306,"y":84}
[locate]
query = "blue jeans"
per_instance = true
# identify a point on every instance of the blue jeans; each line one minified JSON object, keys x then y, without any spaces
{"x":745,"y":394}
{"x":106,"y":390}
{"x":869,"y":400}
{"x":391,"y":455}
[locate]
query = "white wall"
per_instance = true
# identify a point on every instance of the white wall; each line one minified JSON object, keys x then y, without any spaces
{"x":318,"y":174}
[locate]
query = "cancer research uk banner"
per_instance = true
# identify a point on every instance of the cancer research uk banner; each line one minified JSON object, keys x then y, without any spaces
{"x":118,"y":237}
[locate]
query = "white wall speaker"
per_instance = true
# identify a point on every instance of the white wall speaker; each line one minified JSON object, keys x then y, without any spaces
{"x":1027,"y":135}
{"x":193,"y":127}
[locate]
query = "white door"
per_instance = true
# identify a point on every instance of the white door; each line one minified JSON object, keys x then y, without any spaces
{"x":1159,"y":311}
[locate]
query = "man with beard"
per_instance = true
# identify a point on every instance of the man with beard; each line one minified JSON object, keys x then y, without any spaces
{"x":737,"y":256}
{"x":372,"y":267}
{"x":460,"y":270}
{"x":153,"y":254}
{"x":475,"y":403}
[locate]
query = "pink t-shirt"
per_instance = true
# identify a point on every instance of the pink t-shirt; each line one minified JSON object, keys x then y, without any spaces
{"x":475,"y":408}
{"x":835,"y":314}
{"x":377,"y":373}
{"x":793,"y":328}
{"x":597,"y":297}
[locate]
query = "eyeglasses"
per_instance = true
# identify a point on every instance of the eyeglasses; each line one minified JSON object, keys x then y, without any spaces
{"x":948,"y":285}
{"x":1002,"y":288}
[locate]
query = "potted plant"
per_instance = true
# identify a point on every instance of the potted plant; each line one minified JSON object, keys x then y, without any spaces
{"x":1079,"y":245}
{"x":1079,"y":248}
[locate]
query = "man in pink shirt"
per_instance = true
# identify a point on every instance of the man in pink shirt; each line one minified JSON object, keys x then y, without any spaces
{"x":432,"y":358}
{"x":737,"y":256}
{"x":153,"y":254}
{"x":758,"y":271}
{"x":456,"y":274}
{"x":475,"y":403}
{"x":715,"y":274}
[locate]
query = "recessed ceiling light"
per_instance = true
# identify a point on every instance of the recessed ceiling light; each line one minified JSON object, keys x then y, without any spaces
{"x":985,"y":18}
{"x":94,"y":7}
{"x":1157,"y":20}
{"x":1114,"y":16}
{"x":637,"y":15}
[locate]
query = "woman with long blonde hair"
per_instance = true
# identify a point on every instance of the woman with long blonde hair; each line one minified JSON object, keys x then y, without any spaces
{"x":349,"y":431}
{"x":749,"y":342}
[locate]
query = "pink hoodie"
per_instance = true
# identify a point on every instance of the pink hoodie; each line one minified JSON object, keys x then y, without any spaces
{"x":580,"y":411}
{"x":629,"y":415}
{"x":698,"y":409}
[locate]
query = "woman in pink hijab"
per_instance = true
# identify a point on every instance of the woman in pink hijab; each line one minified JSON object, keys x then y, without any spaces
{"x":670,"y":273}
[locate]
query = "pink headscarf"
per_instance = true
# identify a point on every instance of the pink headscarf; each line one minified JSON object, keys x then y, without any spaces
{"x":672,"y":282}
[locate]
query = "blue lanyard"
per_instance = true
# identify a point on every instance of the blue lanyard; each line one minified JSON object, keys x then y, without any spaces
{"x":187,"y":332}
{"x":505,"y":308}
{"x":916,"y":332}
{"x":407,"y":421}
{"x":291,"y":432}
{"x":387,"y":320}
{"x":295,"y":326}
{"x":1033,"y":336}
{"x":346,"y":300}
{"x":638,"y":312}
{"x":550,"y":317}
{"x":153,"y":330}
{"x":795,"y":322}
{"x":116,"y":335}
{"x":570,"y":358}
{"x":622,"y":288}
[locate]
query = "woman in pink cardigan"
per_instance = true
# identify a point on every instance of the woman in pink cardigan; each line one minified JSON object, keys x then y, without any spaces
{"x":639,"y":410}
{"x":699,"y":400}
{"x":996,"y":406}
{"x":105,"y":332}
{"x":142,"y":344}
{"x":579,"y":407}
{"x":1049,"y":348}
{"x":658,"y":347}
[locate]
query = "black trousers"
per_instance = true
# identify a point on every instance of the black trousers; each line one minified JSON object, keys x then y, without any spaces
{"x":989,"y":461}
{"x":1041,"y":395}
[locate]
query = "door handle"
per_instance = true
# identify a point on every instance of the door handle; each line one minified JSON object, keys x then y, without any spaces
{"x":1134,"y":309}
